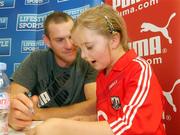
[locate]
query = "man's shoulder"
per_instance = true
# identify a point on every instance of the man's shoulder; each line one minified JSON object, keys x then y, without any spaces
{"x":83,"y":65}
{"x":40,"y":54}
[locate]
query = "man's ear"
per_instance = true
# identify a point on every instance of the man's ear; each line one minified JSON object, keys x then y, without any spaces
{"x":46,"y":41}
{"x":115,"y":40}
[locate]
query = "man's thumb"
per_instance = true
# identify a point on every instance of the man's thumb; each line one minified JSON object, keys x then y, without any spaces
{"x":35,"y":99}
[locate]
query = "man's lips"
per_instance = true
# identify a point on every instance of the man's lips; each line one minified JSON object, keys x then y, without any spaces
{"x":70,"y":52}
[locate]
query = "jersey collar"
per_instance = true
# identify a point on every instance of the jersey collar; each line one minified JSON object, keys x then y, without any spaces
{"x":124,"y":60}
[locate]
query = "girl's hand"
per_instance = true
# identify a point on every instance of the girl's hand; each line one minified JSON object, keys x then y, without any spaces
{"x":48,"y":127}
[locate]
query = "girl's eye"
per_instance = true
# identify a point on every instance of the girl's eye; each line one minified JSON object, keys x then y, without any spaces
{"x":89,"y":48}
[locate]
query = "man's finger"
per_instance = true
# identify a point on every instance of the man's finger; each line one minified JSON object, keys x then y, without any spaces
{"x":16,"y":104}
{"x":25,"y":100}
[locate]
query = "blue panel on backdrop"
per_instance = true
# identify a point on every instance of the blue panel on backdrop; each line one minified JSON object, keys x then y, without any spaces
{"x":36,"y":2}
{"x":21,"y":25}
{"x":3,"y":22}
{"x":4,"y":4}
{"x":5,"y":46}
{"x":31,"y":22}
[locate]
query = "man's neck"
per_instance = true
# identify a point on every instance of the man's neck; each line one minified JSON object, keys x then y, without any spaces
{"x":61,"y":63}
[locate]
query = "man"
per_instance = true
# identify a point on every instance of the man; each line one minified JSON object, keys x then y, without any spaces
{"x":57,"y":75}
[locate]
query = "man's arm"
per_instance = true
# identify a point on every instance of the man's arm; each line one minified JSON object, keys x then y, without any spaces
{"x":16,"y":89}
{"x":86,"y":107}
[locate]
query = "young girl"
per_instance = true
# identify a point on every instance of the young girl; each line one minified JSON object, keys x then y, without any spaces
{"x":129,"y":97}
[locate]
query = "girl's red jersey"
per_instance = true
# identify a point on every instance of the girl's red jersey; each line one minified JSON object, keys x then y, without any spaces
{"x":130,"y":97}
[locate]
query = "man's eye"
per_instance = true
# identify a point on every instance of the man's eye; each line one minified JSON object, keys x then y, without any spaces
{"x":60,"y":39}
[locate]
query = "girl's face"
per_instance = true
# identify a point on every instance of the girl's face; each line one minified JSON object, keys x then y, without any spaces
{"x":94,"y":47}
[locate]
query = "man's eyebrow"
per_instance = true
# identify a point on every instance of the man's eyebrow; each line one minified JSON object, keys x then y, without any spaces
{"x":56,"y":38}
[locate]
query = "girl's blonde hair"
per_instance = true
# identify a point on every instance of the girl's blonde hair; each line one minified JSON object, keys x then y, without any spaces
{"x":105,"y":21}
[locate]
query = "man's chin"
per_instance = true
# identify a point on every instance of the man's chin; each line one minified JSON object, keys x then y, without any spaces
{"x":71,"y":60}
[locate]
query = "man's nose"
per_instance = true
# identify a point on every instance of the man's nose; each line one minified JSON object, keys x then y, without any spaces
{"x":69,"y":43}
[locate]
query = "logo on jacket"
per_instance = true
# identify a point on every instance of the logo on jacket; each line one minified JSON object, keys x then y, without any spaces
{"x":115,"y":101}
{"x":112,"y":84}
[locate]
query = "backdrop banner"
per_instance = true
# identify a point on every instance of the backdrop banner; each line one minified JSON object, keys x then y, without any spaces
{"x":153,"y":28}
{"x":21,"y":25}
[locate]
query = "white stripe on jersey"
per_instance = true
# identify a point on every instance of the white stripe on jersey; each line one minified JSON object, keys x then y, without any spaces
{"x":136,"y":101}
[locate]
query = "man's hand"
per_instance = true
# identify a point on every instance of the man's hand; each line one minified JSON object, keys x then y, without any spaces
{"x":21,"y":114}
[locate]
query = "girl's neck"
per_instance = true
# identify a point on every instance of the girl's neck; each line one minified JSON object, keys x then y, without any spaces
{"x":115,"y":56}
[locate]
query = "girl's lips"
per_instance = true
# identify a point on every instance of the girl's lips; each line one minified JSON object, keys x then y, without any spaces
{"x":94,"y":61}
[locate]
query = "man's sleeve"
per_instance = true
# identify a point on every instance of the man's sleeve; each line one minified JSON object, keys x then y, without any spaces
{"x":91,"y":74}
{"x":25,"y":74}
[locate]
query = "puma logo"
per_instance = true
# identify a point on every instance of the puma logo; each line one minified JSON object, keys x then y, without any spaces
{"x":169,"y":97}
{"x":153,"y":28}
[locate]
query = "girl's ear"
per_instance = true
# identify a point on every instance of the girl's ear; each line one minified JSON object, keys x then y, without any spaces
{"x":115,"y":40}
{"x":46,"y":41}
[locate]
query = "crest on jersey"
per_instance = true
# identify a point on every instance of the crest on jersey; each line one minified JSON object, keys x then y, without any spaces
{"x":115,"y":102}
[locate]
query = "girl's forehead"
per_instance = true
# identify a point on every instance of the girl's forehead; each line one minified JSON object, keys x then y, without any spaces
{"x":83,"y":35}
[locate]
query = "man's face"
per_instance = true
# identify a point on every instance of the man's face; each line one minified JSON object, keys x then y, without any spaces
{"x":60,"y":42}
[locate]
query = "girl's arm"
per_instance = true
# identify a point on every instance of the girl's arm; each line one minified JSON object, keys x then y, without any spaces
{"x":56,"y":126}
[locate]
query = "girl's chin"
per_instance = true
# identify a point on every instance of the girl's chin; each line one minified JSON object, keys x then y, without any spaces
{"x":97,"y":67}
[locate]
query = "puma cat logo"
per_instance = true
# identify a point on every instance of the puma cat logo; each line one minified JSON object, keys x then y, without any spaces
{"x":153,"y":28}
{"x":169,"y":97}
